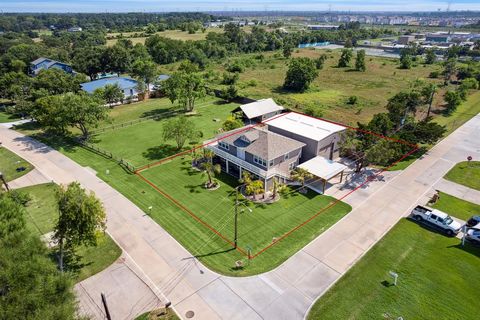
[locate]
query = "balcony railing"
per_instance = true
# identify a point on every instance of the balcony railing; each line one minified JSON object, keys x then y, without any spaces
{"x":244,"y":164}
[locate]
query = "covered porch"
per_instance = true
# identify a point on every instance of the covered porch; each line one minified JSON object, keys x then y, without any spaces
{"x":324,"y":170}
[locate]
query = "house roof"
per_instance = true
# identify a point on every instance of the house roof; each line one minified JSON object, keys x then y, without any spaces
{"x":305,"y":126}
{"x":322,"y":167}
{"x":262,"y":143}
{"x":123,"y":82}
{"x":260,"y":107}
{"x":40,"y":60}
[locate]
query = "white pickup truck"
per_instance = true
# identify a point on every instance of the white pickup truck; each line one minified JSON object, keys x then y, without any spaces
{"x":437,"y":219}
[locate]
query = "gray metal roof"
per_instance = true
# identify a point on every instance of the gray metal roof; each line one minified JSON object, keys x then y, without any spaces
{"x":264,"y":144}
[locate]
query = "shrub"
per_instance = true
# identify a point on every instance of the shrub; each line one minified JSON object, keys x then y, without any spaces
{"x":235,"y":67}
{"x":352,"y":100}
{"x":434,"y":74}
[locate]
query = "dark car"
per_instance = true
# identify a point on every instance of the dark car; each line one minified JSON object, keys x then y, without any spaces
{"x":473,"y":221}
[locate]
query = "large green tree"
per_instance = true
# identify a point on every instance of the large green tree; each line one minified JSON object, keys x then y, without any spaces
{"x":179,"y":129}
{"x":111,"y":93}
{"x":186,"y":86}
{"x":301,"y":72}
{"x":81,"y":216}
{"x":360,"y":61}
{"x":345,"y":58}
{"x":80,"y":110}
{"x":30,"y":285}
{"x":146,"y":70}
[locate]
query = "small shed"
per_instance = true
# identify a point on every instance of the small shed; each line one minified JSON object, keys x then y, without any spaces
{"x":259,"y":110}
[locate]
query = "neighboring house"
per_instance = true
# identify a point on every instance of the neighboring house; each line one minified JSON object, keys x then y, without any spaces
{"x":271,"y":150}
{"x":266,"y":155}
{"x":406,"y":39}
{"x":45,"y":63}
{"x":259,"y":110}
{"x":128,"y":85}
{"x":321,"y":138}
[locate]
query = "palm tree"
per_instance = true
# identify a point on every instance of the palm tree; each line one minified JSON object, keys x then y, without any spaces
{"x":301,"y":175}
{"x":211,"y":170}
{"x":254,"y":187}
{"x":195,"y":157}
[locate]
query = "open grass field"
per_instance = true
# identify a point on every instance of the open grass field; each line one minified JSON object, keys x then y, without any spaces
{"x":257,"y":229}
{"x":9,"y":162}
{"x":333,"y":86}
{"x":429,"y":285}
{"x":465,"y":173}
{"x":41,"y":218}
{"x":464,"y":112}
{"x":172,"y":34}
{"x":142,"y":143}
{"x":456,"y":207}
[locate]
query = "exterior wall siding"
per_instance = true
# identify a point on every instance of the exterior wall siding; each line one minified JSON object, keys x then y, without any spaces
{"x":309,"y":151}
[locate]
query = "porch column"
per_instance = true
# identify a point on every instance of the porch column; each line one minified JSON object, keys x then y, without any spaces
{"x":341,"y":177}
{"x":324,"y":185}
{"x":226,"y":165}
{"x":240,"y":171}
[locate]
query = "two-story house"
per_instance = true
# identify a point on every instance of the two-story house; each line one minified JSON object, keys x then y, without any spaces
{"x":266,"y":155}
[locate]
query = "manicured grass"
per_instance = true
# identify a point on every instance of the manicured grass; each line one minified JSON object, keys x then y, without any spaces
{"x":257,"y":229}
{"x":9,"y":162}
{"x":210,"y":249}
{"x":7,"y":117}
{"x":429,"y":285}
{"x":142,"y":143}
{"x":41,"y":218}
{"x":465,"y":173}
{"x":456,"y":207}
{"x":152,"y":316}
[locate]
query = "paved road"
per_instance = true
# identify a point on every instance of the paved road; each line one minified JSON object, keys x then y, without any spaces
{"x":284,"y":293}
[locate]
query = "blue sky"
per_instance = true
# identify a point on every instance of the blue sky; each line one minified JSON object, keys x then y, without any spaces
{"x":202,"y":5}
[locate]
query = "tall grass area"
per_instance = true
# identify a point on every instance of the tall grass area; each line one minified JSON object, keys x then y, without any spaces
{"x":436,"y":280}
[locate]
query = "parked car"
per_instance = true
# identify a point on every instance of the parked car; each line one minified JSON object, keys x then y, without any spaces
{"x":473,"y":235}
{"x":437,"y":219}
{"x":473,"y":221}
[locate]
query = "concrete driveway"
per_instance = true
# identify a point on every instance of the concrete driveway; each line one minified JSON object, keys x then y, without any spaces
{"x":284,"y":293}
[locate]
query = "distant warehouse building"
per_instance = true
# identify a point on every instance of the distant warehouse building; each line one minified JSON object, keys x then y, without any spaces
{"x":438,"y":37}
{"x":406,"y":39}
{"x":322,"y":27}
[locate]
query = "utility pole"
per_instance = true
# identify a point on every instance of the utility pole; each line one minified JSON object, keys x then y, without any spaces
{"x":107,"y":312}
{"x":235,"y":237}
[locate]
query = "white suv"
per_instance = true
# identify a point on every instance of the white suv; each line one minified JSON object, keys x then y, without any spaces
{"x":437,"y":219}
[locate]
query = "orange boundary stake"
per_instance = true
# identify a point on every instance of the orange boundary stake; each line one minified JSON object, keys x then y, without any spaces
{"x":239,"y":249}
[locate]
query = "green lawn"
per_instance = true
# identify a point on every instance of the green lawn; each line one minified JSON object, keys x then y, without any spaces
{"x":464,"y":112}
{"x":41,"y":219}
{"x":149,"y":316}
{"x":9,"y":162}
{"x":257,"y":229}
{"x":456,"y":207}
{"x":142,"y":143}
{"x":467,"y":174}
{"x":7,"y":117}
{"x":436,"y":280}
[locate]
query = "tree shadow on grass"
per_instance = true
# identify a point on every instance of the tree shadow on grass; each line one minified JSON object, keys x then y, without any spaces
{"x":194,"y":188}
{"x":72,"y":262}
{"x":48,"y":141}
{"x":160,"y":152}
{"x":468,"y":247}
{"x":161,"y":113}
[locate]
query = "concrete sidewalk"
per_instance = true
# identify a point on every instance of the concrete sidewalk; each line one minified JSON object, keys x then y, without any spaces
{"x":32,"y":178}
{"x":284,"y":293}
{"x":458,"y":190}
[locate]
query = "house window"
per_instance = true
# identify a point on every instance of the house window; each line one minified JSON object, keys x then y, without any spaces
{"x":271,"y":163}
{"x":259,"y":161}
{"x":286,"y":156}
{"x":224,"y":145}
